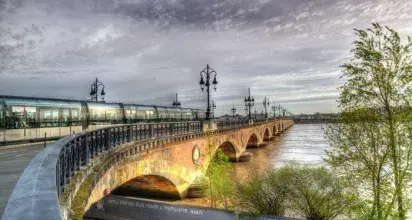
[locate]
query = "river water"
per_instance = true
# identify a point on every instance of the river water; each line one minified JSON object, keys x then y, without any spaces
{"x":303,"y":143}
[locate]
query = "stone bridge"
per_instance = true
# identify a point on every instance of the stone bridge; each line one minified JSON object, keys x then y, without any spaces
{"x":177,"y":154}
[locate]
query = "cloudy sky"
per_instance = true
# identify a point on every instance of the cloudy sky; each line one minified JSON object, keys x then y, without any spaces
{"x":144,"y":51}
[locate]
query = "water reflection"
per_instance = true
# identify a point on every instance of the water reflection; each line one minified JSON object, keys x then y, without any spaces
{"x":304,"y":143}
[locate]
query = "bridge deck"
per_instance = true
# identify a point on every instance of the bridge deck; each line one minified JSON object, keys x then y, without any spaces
{"x":13,"y":161}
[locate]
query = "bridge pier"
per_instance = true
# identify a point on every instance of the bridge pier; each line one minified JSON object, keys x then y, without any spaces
{"x":196,"y":191}
{"x":245,"y":157}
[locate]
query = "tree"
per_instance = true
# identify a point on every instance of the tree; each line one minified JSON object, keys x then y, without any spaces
{"x":372,"y":144}
{"x":218,"y":181}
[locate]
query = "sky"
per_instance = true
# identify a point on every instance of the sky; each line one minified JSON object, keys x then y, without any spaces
{"x":145,"y":51}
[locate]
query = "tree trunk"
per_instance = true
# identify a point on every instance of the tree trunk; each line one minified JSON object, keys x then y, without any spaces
{"x":396,"y":170}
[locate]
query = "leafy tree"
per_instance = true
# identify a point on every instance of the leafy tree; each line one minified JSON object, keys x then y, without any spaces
{"x":218,"y":182}
{"x":372,"y":144}
{"x":221,"y":181}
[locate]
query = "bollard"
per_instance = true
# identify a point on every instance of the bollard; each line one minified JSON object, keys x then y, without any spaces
{"x":45,"y":139}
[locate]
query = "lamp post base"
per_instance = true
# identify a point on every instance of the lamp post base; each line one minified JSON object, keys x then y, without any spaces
{"x":209,"y":125}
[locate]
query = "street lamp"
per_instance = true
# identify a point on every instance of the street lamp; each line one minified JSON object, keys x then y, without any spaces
{"x":265,"y":104}
{"x":274,"y":111}
{"x":176,"y":103}
{"x":213,"y":106}
{"x":255,"y":113}
{"x":279,"y":109}
{"x":207,"y":72}
{"x":233,"y":111}
{"x":249,"y":102}
{"x":94,"y":89}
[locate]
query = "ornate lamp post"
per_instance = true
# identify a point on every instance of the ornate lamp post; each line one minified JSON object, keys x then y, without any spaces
{"x":213,"y":106}
{"x":176,"y":103}
{"x":94,"y":89}
{"x":233,"y":111}
{"x":266,"y":104}
{"x":274,"y":111}
{"x":280,"y":109}
{"x":207,"y":72}
{"x":249,"y":102}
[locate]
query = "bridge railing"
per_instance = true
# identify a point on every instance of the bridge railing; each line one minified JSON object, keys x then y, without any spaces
{"x":82,"y":148}
{"x":49,"y":172}
{"x":238,"y":123}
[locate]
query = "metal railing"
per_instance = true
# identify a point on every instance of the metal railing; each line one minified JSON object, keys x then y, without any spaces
{"x":239,"y":123}
{"x":77,"y":152}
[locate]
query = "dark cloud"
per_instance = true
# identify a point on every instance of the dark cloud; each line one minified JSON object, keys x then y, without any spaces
{"x":146,"y":50}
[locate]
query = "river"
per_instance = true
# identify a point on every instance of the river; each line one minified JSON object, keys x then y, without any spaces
{"x":303,"y":143}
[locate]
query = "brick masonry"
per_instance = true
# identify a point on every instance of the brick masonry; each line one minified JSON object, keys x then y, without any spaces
{"x":174,"y":161}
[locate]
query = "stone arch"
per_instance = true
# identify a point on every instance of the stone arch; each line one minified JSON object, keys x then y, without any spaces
{"x":148,"y":186}
{"x":275,"y":129}
{"x":253,"y":141}
{"x":229,"y":150}
{"x":181,"y":177}
{"x":266,"y":134}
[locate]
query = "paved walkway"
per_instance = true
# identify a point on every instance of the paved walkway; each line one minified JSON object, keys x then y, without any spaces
{"x":13,"y":161}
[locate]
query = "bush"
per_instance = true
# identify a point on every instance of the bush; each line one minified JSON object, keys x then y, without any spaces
{"x":312,"y":193}
{"x":265,"y":194}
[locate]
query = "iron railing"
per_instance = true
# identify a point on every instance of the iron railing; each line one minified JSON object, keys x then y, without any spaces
{"x":239,"y":123}
{"x":77,"y":152}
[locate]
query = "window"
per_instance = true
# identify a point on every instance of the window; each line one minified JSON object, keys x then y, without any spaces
{"x":49,"y":117}
{"x":31,"y":117}
{"x":1,"y":116}
{"x":66,"y":120}
{"x":76,"y":121}
{"x":15,"y":118}
{"x":149,"y":114}
{"x":140,"y":114}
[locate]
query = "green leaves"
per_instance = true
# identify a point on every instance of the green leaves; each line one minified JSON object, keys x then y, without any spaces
{"x":371,"y":144}
{"x":312,"y":193}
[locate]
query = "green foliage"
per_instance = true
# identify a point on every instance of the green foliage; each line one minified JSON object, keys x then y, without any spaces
{"x":265,"y":194}
{"x":371,"y":147}
{"x":220,"y":185}
{"x":313,"y":193}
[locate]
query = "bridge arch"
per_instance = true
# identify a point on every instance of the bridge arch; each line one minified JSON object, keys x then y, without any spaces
{"x":267,"y":134}
{"x":179,"y":176}
{"x":150,"y":186}
{"x":229,"y":149}
{"x":253,"y":141}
